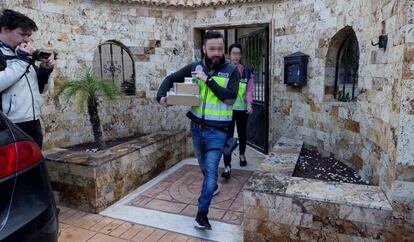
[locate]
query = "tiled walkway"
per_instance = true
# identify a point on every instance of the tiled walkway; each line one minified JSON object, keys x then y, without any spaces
{"x":78,"y":226}
{"x":164,"y":208}
{"x":178,"y":193}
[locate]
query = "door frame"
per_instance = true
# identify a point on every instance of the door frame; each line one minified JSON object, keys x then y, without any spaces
{"x":197,"y":39}
{"x":266,"y":103}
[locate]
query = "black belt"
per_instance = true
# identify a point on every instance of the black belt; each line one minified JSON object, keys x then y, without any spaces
{"x":204,"y":126}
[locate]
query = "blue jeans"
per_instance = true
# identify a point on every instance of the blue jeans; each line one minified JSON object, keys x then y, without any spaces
{"x":208,"y":144}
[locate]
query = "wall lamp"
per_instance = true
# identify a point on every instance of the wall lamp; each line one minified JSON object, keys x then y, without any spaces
{"x":382,"y":41}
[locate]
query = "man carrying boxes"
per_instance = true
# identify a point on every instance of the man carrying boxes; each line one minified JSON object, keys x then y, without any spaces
{"x":218,"y":83}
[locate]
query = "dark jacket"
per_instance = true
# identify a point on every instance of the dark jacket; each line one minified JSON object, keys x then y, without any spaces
{"x":227,"y":95}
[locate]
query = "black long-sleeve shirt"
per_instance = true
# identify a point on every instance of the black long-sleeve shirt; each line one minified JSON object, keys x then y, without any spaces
{"x":227,"y":94}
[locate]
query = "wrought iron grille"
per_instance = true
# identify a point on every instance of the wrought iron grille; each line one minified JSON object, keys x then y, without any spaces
{"x":113,"y":61}
{"x":346,"y":76}
{"x":254,"y":56}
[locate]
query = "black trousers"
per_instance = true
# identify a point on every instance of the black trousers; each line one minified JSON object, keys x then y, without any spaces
{"x":33,"y":129}
{"x":239,"y":118}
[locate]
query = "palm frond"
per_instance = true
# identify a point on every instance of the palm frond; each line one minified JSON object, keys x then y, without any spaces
{"x":88,"y":86}
{"x":109,"y":90}
{"x":69,"y":89}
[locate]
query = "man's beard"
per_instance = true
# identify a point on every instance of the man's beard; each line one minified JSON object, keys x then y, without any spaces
{"x":215,"y":62}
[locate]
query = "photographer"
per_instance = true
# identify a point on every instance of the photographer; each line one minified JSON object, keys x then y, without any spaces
{"x":21,"y":81}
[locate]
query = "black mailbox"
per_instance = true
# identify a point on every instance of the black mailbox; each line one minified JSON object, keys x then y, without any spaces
{"x":296,"y":66}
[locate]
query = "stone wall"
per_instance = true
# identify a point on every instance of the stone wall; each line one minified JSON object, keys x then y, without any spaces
{"x":93,"y":181}
{"x":158,"y":41}
{"x":403,"y":187}
{"x":280,"y":207}
{"x":364,"y":133}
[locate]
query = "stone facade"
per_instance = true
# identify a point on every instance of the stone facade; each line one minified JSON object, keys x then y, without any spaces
{"x":279,"y":207}
{"x":93,"y":181}
{"x":365,"y":133}
{"x":282,"y":208}
{"x":157,"y":38}
{"x":372,"y":134}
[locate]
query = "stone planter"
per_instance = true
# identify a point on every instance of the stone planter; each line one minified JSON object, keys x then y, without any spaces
{"x":93,"y":181}
{"x":279,"y":207}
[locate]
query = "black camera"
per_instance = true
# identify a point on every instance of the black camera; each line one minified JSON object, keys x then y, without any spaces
{"x":40,"y":55}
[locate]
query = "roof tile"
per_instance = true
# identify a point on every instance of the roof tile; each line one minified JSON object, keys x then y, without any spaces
{"x":187,"y":3}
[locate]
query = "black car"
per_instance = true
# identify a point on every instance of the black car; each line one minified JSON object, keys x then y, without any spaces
{"x":27,"y":207}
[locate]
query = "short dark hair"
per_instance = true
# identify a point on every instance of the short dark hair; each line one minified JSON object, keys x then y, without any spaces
{"x":212,"y":35}
{"x":13,"y":20}
{"x":235,"y":45}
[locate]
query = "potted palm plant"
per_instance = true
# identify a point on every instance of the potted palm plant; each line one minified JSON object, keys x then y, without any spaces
{"x":87,"y":91}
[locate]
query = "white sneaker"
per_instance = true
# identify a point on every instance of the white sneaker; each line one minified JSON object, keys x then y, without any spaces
{"x":226,"y":172}
{"x":243,"y":161}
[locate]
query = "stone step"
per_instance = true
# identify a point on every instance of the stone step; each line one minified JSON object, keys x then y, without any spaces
{"x":283,"y":157}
